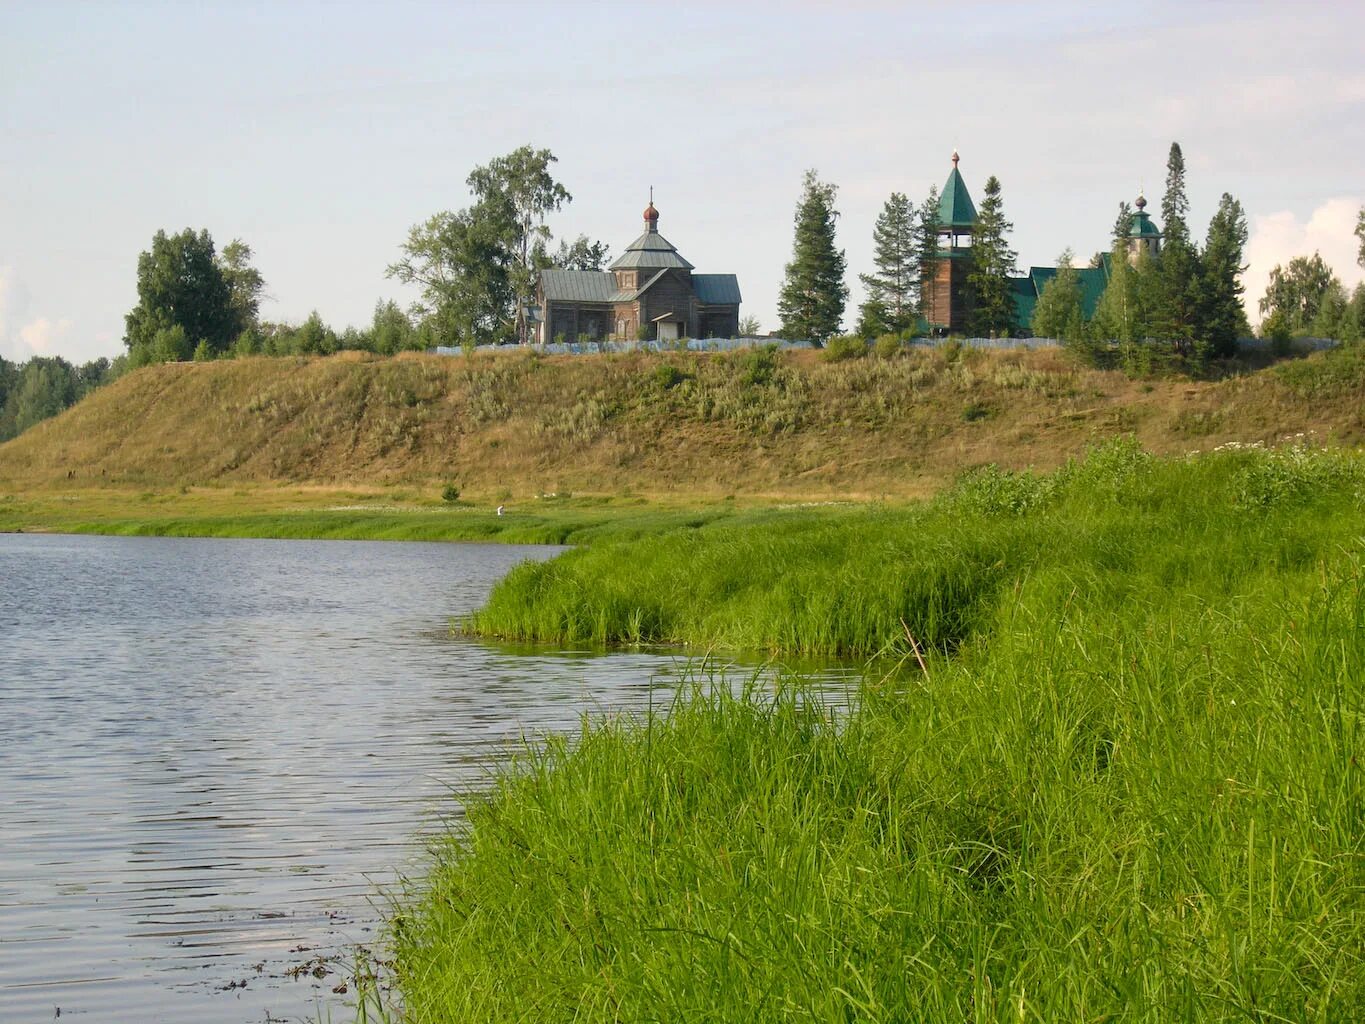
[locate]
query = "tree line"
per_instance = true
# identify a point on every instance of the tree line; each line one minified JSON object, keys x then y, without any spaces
{"x":1185,"y":301}
{"x":43,"y":386}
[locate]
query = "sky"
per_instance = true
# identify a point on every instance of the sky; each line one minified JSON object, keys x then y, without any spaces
{"x":319,"y":133}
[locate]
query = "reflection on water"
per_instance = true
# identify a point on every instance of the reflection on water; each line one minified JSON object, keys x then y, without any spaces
{"x":216,"y":753}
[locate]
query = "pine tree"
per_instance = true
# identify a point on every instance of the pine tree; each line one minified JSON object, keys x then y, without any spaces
{"x":892,"y":289}
{"x":1178,"y":314}
{"x":1360,"y":234}
{"x":992,"y":299}
{"x":811,"y":303}
{"x":1222,"y":320}
{"x":926,"y":238}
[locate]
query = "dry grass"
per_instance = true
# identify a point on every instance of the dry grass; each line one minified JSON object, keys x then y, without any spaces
{"x":705,"y":426}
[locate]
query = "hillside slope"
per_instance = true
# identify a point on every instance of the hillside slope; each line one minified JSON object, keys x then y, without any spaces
{"x":747,"y":423}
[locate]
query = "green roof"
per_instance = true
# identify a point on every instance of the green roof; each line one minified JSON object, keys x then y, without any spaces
{"x":716,"y":289}
{"x":1027,"y":290}
{"x":577,"y":285}
{"x":955,"y":209}
{"x":1143,"y":226}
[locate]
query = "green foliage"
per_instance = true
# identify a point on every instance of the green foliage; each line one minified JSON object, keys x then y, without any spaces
{"x":811,"y":302}
{"x":1360,"y":234}
{"x":1058,"y":312}
{"x":450,"y":493}
{"x":202,"y":352}
{"x":888,"y":346}
{"x":926,"y":235}
{"x":668,"y":376}
{"x":44,"y":386}
{"x":1327,"y":375}
{"x":991,"y":300}
{"x":1221,"y":316}
{"x":477,"y":267}
{"x":892,"y":290}
{"x":581,"y":254}
{"x":1104,"y":770}
{"x":1297,"y":291}
{"x":183,"y":286}
{"x":749,"y":327}
{"x":844,"y":346}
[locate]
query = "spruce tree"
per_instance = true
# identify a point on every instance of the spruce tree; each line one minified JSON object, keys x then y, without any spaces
{"x":892,"y":289}
{"x":992,"y":299}
{"x":926,"y":238}
{"x":811,"y":303}
{"x":1123,"y":224}
{"x":1360,"y":234}
{"x":1178,"y":315}
{"x":1222,"y":320}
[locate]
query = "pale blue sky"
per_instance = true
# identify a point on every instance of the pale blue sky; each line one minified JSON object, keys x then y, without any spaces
{"x":319,"y":133}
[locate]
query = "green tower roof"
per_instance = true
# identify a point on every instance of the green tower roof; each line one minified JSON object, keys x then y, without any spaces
{"x":1142,"y":225}
{"x":955,"y":209}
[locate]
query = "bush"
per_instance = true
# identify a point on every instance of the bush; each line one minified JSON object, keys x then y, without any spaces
{"x":888,"y":346}
{"x":844,"y":346}
{"x":450,"y":493}
{"x":668,"y":376}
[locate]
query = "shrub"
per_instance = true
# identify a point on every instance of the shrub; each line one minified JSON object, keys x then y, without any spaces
{"x":450,"y":493}
{"x":887,"y":346}
{"x":844,"y":346}
{"x":668,"y":376}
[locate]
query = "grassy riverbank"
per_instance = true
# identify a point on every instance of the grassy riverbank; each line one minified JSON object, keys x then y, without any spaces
{"x":1125,"y":783}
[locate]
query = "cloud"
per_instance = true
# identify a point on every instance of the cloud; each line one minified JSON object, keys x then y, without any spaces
{"x":1276,"y":238}
{"x":23,"y":335}
{"x":43,"y":335}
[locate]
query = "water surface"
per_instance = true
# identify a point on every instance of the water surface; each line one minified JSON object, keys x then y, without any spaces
{"x":214,"y":754}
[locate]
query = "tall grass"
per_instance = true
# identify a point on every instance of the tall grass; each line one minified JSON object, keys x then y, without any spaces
{"x":1125,"y":783}
{"x":1052,"y":836}
{"x":853,"y":582}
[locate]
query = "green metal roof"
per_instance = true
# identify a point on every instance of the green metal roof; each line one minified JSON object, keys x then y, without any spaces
{"x":650,"y":251}
{"x":1142,"y":226}
{"x":955,"y":209}
{"x":1027,"y":290}
{"x":577,"y":285}
{"x":716,"y":289}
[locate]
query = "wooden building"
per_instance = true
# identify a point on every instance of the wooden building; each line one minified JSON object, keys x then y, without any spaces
{"x":650,"y":293}
{"x":944,"y":289}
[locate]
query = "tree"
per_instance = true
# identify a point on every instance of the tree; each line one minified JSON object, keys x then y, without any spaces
{"x":811,"y":302}
{"x":1123,"y":224}
{"x":181,"y":284}
{"x":1121,"y":314}
{"x":1222,"y":319}
{"x":991,"y":305}
{"x":390,"y":330}
{"x":892,"y":289}
{"x":1296,"y":292}
{"x":926,"y":237}
{"x":1059,"y":312}
{"x":520,"y":186}
{"x":462,"y":264}
{"x":1360,"y":234}
{"x":477,"y":267}
{"x":749,"y":326}
{"x":244,"y":284}
{"x":581,"y":254}
{"x":1178,"y":313}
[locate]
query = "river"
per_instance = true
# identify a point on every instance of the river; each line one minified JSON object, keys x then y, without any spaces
{"x":217,"y":756}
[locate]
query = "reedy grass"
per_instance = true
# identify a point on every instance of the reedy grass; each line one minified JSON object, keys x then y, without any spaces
{"x":1125,"y":785}
{"x":852,"y":582}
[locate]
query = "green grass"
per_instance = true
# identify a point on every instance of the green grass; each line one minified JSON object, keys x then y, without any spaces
{"x":852,"y":581}
{"x":540,"y":522}
{"x":1126,"y":783}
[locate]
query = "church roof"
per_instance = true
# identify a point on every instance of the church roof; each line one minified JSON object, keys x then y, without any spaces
{"x":716,"y":289}
{"x":1142,"y":226}
{"x":955,"y":208}
{"x":578,"y":285}
{"x":651,"y":251}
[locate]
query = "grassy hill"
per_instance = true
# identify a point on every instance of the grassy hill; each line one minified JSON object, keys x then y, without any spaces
{"x":704,"y":426}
